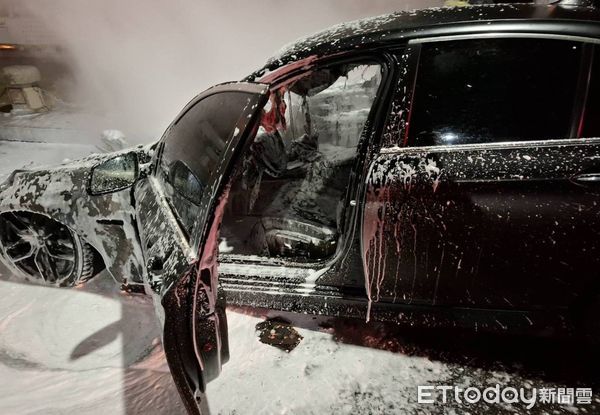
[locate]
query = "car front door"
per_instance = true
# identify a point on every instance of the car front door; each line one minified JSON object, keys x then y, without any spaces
{"x":178,"y":211}
{"x":480,"y":203}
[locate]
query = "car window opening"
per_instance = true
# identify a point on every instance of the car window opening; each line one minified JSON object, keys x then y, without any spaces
{"x":287,"y":198}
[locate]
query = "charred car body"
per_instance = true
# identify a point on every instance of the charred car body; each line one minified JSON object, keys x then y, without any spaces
{"x":438,"y":167}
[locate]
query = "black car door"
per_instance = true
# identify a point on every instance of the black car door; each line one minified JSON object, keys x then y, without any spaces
{"x":487,"y":201}
{"x":178,"y":212}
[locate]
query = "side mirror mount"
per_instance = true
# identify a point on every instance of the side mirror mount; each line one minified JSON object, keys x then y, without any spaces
{"x":114,"y":174}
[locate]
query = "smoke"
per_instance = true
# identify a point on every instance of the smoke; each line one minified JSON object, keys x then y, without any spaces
{"x":142,"y":60}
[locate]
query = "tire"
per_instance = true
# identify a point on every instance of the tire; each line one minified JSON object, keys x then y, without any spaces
{"x":42,"y":250}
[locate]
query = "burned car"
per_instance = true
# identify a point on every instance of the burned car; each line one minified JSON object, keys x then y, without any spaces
{"x":433,"y":167}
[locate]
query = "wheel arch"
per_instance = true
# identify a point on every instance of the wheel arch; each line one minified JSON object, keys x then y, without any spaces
{"x":113,"y":239}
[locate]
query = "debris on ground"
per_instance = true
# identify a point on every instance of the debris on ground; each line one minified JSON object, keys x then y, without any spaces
{"x":278,"y":333}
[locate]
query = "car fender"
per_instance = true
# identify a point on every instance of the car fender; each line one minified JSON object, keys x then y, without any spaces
{"x":106,"y":222}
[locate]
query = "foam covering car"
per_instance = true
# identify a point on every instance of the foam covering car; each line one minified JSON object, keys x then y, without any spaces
{"x":436,"y":167}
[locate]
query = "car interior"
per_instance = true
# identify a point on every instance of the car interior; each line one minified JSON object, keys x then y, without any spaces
{"x":288,"y":195}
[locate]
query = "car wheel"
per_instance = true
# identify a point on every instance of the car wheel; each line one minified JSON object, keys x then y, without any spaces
{"x":43,"y":250}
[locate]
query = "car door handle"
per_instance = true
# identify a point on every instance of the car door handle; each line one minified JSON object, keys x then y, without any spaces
{"x":587,"y":178}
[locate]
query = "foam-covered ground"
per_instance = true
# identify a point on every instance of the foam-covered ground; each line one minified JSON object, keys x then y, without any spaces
{"x":87,"y":350}
{"x":95,"y":350}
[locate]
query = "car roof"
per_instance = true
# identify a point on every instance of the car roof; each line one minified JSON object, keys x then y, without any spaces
{"x":385,"y":29}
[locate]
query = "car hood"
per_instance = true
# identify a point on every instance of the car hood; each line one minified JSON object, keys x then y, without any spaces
{"x":70,"y":179}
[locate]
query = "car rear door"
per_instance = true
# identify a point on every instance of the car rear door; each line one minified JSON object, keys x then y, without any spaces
{"x":178,"y":211}
{"x":486,"y":200}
